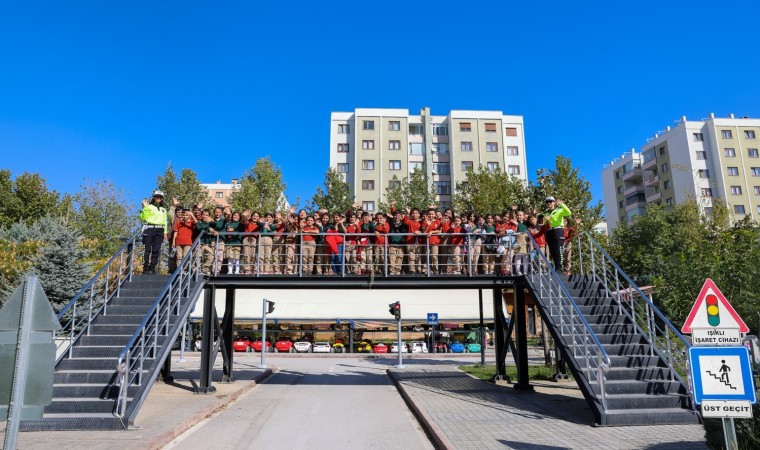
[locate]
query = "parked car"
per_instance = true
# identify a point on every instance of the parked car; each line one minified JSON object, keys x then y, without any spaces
{"x":284,"y":345}
{"x":364,"y":346}
{"x":322,"y":347}
{"x":380,"y":348}
{"x":418,"y":347}
{"x":241,"y":344}
{"x":256,"y":345}
{"x":338,"y":346}
{"x":441,"y":347}
{"x":302,"y":346}
{"x":395,"y":346}
{"x":456,"y":347}
{"x":471,"y":346}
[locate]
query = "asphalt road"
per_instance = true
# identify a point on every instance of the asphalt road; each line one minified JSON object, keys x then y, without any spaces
{"x":315,"y":403}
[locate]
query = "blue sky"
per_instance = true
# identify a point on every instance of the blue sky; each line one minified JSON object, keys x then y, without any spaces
{"x":105,"y":90}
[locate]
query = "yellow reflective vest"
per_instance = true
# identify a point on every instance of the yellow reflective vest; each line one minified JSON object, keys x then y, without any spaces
{"x":154,"y":215}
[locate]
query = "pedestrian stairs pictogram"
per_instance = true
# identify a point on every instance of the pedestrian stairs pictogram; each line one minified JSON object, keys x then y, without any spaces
{"x":717,"y":377}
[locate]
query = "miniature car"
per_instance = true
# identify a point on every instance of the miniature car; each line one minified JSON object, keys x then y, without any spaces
{"x":284,"y":345}
{"x":302,"y":346}
{"x":395,"y":346}
{"x":471,"y":346}
{"x":456,"y":347}
{"x":418,"y":347}
{"x":441,"y":347}
{"x":338,"y":346}
{"x":364,"y":346}
{"x":322,"y":347}
{"x":256,"y":345}
{"x":241,"y":344}
{"x":380,"y":348}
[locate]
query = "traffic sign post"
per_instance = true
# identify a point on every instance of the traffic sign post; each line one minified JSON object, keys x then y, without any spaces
{"x":432,"y":318}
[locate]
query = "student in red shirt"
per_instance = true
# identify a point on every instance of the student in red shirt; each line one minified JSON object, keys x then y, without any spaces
{"x":308,"y":245}
{"x":352,"y":264}
{"x":413,"y":248}
{"x":250,"y":223}
{"x":183,"y":234}
{"x":432,"y":228}
{"x":381,"y":229}
{"x":456,"y":235}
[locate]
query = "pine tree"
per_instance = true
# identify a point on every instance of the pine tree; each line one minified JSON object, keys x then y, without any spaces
{"x":261,"y":188}
{"x":103,"y":216}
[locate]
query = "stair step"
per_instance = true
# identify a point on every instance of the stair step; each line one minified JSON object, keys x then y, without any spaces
{"x":660,"y":416}
{"x":96,"y":352}
{"x":594,"y":292}
{"x":593,"y":301}
{"x":590,"y":310}
{"x":654,"y":387}
{"x":92,"y":377}
{"x":104,"y":340}
{"x":125,"y":300}
{"x":72,"y":422}
{"x":87,"y":364}
{"x":619,"y":328}
{"x":638,"y":401}
{"x":636,"y":362}
{"x":628,"y":349}
{"x":133,"y":320}
{"x":620,"y":338}
{"x":112,"y":330}
{"x":80,"y":405}
{"x":103,"y":391}
{"x":637,"y":373}
{"x":605,"y":319}
{"x":127,"y":310}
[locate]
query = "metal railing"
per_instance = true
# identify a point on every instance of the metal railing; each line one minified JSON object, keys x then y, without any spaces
{"x":666,"y":340}
{"x":580,"y":339}
{"x":346,"y":254}
{"x":150,"y":335}
{"x":92,"y":300}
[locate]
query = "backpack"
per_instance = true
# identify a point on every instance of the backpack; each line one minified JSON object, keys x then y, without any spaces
{"x":491,"y":243}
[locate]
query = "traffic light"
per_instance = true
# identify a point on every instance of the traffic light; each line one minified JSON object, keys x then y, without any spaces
{"x":713,"y":311}
{"x":395,"y":310}
{"x":270,"y":307}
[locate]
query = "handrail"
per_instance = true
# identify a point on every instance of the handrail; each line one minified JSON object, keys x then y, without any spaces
{"x":157,"y":320}
{"x":603,"y":361}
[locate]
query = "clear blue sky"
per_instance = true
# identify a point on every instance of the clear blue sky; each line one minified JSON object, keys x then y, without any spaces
{"x":93,"y":90}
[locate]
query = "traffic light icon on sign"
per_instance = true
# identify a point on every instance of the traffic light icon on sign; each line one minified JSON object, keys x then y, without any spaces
{"x":713,"y":316}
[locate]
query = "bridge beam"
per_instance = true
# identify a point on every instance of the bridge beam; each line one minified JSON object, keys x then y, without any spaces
{"x":521,"y":335}
{"x":228,"y":329}
{"x":207,"y":341}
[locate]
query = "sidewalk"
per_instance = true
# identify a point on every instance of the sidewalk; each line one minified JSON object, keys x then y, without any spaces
{"x":462,"y":412}
{"x":169,"y":410}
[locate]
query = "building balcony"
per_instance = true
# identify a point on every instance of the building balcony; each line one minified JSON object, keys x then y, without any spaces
{"x":649,"y":164}
{"x":634,"y":174}
{"x":654,"y":197}
{"x":652,"y":179}
{"x":633,"y":189}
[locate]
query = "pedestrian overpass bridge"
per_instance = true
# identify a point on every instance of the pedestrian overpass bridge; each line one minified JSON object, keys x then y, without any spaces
{"x":118,"y":331}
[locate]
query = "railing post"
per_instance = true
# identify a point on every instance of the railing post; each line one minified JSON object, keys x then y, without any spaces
{"x":593,"y":264}
{"x":130,"y":259}
{"x":602,"y":385}
{"x":216,"y":256}
{"x":141,"y":358}
{"x":385,"y":249}
{"x":300,"y":261}
{"x":118,"y":278}
{"x":580,"y":255}
{"x":73,"y":327}
{"x":427,"y":253}
{"x":89,"y":310}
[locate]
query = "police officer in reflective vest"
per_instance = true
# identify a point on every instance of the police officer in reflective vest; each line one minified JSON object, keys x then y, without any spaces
{"x":155,"y":229}
{"x":555,"y":214}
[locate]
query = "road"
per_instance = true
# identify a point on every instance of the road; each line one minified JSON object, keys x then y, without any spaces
{"x":315,"y":403}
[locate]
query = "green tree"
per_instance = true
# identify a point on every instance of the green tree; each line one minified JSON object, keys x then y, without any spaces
{"x":15,"y":260}
{"x":261,"y":188}
{"x":25,"y":198}
{"x":103,"y":215}
{"x":186,"y":188}
{"x":487,"y":191}
{"x":336,"y":195}
{"x":413,"y":191}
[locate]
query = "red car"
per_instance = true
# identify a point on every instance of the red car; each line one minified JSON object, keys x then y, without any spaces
{"x":441,"y":347}
{"x":379,"y":348}
{"x":284,"y":345}
{"x":241,"y":344}
{"x":256,"y":345}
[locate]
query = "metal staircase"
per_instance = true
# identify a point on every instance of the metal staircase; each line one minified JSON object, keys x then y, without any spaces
{"x":628,"y":359}
{"x":117,"y":333}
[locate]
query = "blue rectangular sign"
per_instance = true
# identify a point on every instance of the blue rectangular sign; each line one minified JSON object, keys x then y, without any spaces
{"x":721,"y":373}
{"x":432,"y":318}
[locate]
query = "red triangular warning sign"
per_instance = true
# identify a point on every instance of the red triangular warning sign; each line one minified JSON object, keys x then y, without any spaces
{"x":712,"y":310}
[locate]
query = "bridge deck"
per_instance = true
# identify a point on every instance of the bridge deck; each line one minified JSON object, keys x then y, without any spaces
{"x":363,"y":281}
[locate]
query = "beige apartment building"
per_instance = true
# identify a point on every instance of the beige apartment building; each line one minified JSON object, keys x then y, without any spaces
{"x":371,"y":146}
{"x":713,"y":159}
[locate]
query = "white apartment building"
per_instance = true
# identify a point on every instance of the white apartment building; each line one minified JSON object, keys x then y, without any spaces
{"x":706,"y":160}
{"x":371,"y":146}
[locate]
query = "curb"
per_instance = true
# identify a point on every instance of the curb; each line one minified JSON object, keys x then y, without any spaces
{"x":168,"y":436}
{"x":440,"y":441}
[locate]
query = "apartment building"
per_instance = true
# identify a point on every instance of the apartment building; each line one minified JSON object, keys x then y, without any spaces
{"x":713,"y":159}
{"x":219,"y":194}
{"x":371,"y":146}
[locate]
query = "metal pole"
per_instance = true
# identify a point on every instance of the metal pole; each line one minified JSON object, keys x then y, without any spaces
{"x":182,"y":343}
{"x":482,"y":341}
{"x":729,"y":433}
{"x":400,"y":364}
{"x":263,"y":364}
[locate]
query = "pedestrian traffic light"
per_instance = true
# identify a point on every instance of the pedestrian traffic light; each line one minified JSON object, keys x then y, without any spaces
{"x":270,"y":307}
{"x":713,"y":311}
{"x":395,"y":310}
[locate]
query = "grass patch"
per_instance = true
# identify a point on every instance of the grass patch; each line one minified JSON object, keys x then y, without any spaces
{"x":487,"y":372}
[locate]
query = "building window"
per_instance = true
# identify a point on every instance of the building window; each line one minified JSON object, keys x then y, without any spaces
{"x":738,"y":209}
{"x":620,"y":189}
{"x":342,"y":167}
{"x":443,"y":187}
{"x":736,"y":190}
{"x":344,"y":128}
{"x":440,"y":129}
{"x":726,"y":134}
{"x":662,"y":150}
{"x":368,"y":145}
{"x":466,"y":165}
{"x":664,"y":167}
{"x":415,"y":128}
{"x":441,"y":149}
{"x":510,"y":131}
{"x":394,"y":145}
{"x":415,"y":166}
{"x":492,"y":147}
{"x":368,"y":185}
{"x":368,"y":125}
{"x":512,"y":151}
{"x":368,"y":164}
{"x":755,"y":171}
{"x":465,"y":127}
{"x":729,"y":152}
{"x":706,"y":192}
{"x":752,"y":152}
{"x":394,"y":125}
{"x":442,"y":168}
{"x":416,"y":149}
{"x":490,"y":128}
{"x":703,"y":173}
{"x":617,"y":175}
{"x":220,"y":195}
{"x":394,"y":164}
{"x":733,"y":171}
{"x":343,"y":148}
{"x":667,"y":184}
{"x":749,"y":134}
{"x":698,"y":137}
{"x":492,"y":166}
{"x":368,"y":206}
{"x":620,"y":204}
{"x":513,"y":170}
{"x":701,"y":155}
{"x":466,"y":146}
{"x":757,"y":190}
{"x":394,"y":184}
{"x":669,"y":201}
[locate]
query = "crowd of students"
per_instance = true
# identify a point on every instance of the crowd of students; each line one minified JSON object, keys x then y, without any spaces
{"x":408,"y":241}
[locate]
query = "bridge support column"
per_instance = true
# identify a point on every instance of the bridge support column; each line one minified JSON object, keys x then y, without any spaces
{"x":499,"y":322}
{"x":228,"y":329}
{"x":207,"y":341}
{"x":521,"y":335}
